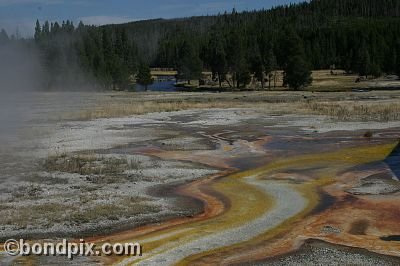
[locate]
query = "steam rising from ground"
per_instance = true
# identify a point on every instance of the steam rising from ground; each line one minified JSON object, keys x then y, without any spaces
{"x":24,"y":89}
{"x":21,"y":74}
{"x":20,"y":68}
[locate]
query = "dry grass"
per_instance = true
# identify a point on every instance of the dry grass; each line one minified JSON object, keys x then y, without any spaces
{"x":34,"y":214}
{"x":324,"y":103}
{"x":323,"y":80}
{"x":163,"y":72}
{"x":125,"y":208}
{"x":87,"y":164}
{"x":28,"y":192}
{"x":48,"y":214}
{"x":356,"y":111}
{"x":127,"y":104}
{"x":139,"y":108}
{"x":341,"y":111}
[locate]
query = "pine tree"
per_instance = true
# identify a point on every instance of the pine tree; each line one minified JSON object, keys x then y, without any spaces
{"x":190,"y":65}
{"x":216,"y":57}
{"x":298,"y":73}
{"x":270,"y":65}
{"x":3,"y":37}
{"x":296,"y":68}
{"x":46,"y":29}
{"x":243,"y":76}
{"x":397,"y":66}
{"x":144,"y":76}
{"x":375,"y":70}
{"x":363,"y":63}
{"x":38,"y":31}
{"x":56,"y":28}
{"x":257,"y":68}
{"x":236,"y":60}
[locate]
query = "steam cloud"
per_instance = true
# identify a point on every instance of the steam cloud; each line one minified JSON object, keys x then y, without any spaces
{"x":23,"y":78}
{"x":20,"y":75}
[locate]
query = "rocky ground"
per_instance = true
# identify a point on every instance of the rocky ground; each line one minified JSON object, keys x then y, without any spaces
{"x":64,"y":177}
{"x":319,"y":253}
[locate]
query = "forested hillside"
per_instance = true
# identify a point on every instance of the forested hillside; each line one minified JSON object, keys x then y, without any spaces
{"x":317,"y":14}
{"x":361,"y":36}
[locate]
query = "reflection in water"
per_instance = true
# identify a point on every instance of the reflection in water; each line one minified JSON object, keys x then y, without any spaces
{"x":167,"y":83}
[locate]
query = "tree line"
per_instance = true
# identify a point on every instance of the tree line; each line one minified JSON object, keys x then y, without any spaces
{"x":359,"y":36}
{"x":345,"y":34}
{"x":108,"y":57}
